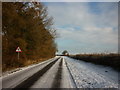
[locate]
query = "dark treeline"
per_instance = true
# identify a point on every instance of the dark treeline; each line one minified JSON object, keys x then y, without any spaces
{"x":100,"y":59}
{"x":28,"y":26}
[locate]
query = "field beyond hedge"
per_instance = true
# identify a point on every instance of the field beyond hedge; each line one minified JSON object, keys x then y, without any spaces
{"x":111,"y":60}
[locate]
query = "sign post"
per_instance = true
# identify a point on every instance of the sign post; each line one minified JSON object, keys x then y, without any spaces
{"x":18,"y":50}
{"x":18,"y":55}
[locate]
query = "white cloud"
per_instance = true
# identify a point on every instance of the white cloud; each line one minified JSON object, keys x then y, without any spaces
{"x":69,"y":13}
{"x":97,"y":29}
{"x":92,"y":40}
{"x":79,"y":14}
{"x":90,"y":35}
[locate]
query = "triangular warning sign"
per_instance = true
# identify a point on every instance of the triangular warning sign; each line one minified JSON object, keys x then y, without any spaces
{"x":18,"y":49}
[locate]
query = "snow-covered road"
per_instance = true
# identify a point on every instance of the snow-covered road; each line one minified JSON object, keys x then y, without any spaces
{"x":62,"y":72}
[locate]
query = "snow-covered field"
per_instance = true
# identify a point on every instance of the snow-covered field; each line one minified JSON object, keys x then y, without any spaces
{"x":88,"y":75}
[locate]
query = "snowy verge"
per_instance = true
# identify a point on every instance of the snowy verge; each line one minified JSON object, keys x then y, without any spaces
{"x":67,"y":81}
{"x":88,"y":75}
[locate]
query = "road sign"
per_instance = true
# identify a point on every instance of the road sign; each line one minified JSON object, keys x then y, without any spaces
{"x":18,"y":49}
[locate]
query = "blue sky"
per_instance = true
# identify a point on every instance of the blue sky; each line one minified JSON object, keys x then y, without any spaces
{"x":85,"y":27}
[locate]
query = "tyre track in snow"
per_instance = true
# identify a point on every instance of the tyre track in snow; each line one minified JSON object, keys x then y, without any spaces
{"x":31,"y":80}
{"x":58,"y":76}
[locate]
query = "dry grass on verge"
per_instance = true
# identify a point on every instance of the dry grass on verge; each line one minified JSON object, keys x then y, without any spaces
{"x":21,"y":63}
